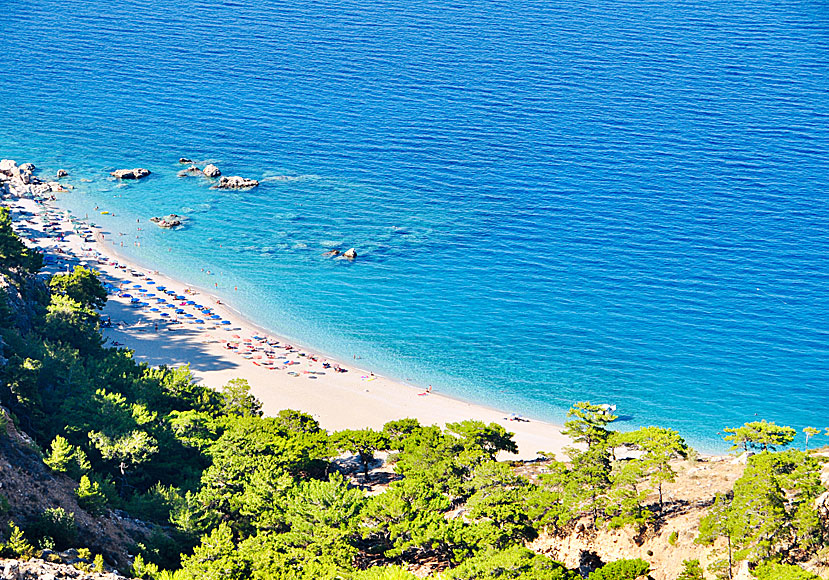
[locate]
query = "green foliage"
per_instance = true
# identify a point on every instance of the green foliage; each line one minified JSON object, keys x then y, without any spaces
{"x":362,"y":442}
{"x":759,"y":435}
{"x":589,"y":424}
{"x":66,"y":458}
{"x":238,"y":400}
{"x":215,"y":558}
{"x":17,"y":546}
{"x":57,"y":526}
{"x":398,"y":430}
{"x":14,"y":255}
{"x":98,"y":564}
{"x":659,"y":446}
{"x":774,"y":571}
{"x":772,"y":508}
{"x":621,"y":570}
{"x":91,"y":496}
{"x":82,"y":286}
{"x":515,"y":562}
{"x":476,"y":436}
{"x":673,"y":538}
{"x":71,"y":323}
{"x":691,"y":570}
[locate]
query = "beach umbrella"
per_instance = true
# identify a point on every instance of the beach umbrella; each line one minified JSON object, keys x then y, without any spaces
{"x":136,"y":285}
{"x":180,"y":297}
{"x":199,"y":321}
{"x":161,"y":287}
{"x":189,"y":302}
{"x":170,"y":292}
{"x":154,"y":310}
{"x":225,"y":322}
{"x":150,"y":281}
{"x":165,"y":314}
{"x":215,"y":317}
{"x":161,"y":300}
{"x":126,"y":295}
{"x":236,"y":336}
{"x":188,"y":315}
{"x":179,"y":311}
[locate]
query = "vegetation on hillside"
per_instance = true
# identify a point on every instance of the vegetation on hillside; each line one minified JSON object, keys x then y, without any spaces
{"x":236,"y":495}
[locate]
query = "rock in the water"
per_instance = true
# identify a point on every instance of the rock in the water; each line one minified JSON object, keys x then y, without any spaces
{"x":332,"y":253}
{"x":61,"y":173}
{"x":136,"y":173}
{"x":6,"y":166}
{"x":211,"y":170}
{"x":350,"y":254}
{"x":168,"y":221}
{"x":235,"y":182}
{"x":185,"y":160}
{"x":27,"y":167}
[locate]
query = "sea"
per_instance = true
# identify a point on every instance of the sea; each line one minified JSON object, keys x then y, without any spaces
{"x":623,"y":202}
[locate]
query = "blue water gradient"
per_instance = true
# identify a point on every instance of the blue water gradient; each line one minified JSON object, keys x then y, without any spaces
{"x":552,"y":201}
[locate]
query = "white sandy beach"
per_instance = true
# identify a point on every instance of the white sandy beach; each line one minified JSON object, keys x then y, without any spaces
{"x":281,"y":378}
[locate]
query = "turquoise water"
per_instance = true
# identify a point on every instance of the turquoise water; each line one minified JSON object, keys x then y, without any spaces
{"x":551,"y":201}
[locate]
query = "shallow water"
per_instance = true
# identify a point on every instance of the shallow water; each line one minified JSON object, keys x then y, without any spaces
{"x":552,"y":202}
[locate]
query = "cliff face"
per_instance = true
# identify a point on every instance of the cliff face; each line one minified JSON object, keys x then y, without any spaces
{"x":30,"y":488}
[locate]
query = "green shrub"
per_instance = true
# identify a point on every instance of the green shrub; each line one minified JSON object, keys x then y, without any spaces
{"x":673,"y":538}
{"x":17,"y":546}
{"x":56,"y":527}
{"x":691,"y":570}
{"x":91,"y":497}
{"x":771,"y":571}
{"x":621,"y":570}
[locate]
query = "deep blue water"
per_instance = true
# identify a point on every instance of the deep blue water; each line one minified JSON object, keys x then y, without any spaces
{"x":624,"y":202}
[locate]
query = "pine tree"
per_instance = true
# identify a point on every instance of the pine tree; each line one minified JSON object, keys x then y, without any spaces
{"x":90,"y":496}
{"x":61,"y":454}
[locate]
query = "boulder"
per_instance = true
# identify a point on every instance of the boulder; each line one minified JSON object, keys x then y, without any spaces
{"x":331,"y":253}
{"x":185,"y":160}
{"x":27,"y":167}
{"x":350,"y":254}
{"x":235,"y":182}
{"x":7,"y":166}
{"x":211,"y":170}
{"x":61,"y":173}
{"x":136,"y":173}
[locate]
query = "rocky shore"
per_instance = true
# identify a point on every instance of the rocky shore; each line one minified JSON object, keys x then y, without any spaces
{"x":21,"y":181}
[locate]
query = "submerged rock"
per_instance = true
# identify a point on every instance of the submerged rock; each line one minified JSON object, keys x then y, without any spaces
{"x":211,"y":170}
{"x":331,"y":253}
{"x":350,"y":254}
{"x":136,"y":173}
{"x":184,"y":160}
{"x":61,"y":173}
{"x":235,"y":182}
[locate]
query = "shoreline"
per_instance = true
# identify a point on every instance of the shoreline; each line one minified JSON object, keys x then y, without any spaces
{"x":338,"y":400}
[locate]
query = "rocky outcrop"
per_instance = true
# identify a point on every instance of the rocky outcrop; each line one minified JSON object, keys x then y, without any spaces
{"x":235,"y":182}
{"x":168,"y":221}
{"x":332,"y":253}
{"x":136,"y":173}
{"x":192,"y":170}
{"x":42,"y":570}
{"x":211,"y":170}
{"x":350,"y":254}
{"x":185,"y":160}
{"x":21,"y":182}
{"x":61,"y":173}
